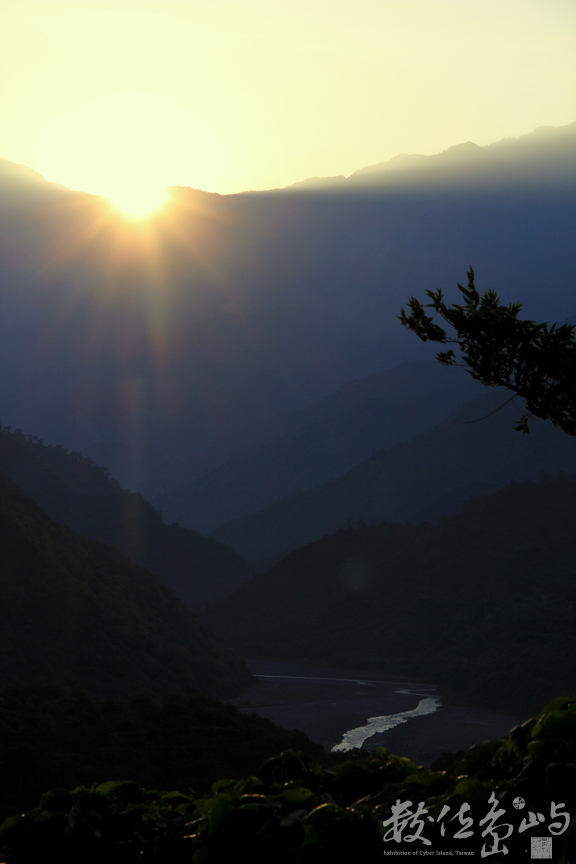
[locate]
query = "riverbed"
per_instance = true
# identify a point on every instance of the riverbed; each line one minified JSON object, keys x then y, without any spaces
{"x":327,"y":704}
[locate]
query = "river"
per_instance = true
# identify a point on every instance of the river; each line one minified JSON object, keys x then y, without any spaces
{"x":342,"y":709}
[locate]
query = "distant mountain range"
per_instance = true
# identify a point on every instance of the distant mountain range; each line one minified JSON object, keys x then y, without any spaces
{"x":155,"y":349}
{"x":296,"y":451}
{"x":505,"y":162}
{"x":474,"y":451}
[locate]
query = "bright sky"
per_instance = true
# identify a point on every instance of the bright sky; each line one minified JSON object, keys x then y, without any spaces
{"x":229,"y":95}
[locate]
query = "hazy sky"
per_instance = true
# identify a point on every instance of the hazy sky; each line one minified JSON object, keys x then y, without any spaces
{"x":228,"y":95}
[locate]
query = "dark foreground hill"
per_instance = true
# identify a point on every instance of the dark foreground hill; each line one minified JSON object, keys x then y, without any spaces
{"x":76,"y":614}
{"x":49,"y":739}
{"x":501,"y":800}
{"x":78,"y":493}
{"x":483,"y":603}
{"x":469,"y":453}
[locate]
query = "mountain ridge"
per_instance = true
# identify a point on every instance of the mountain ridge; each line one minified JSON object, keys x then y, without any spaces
{"x":321,"y":442}
{"x":81,"y":495}
{"x":152,"y":358}
{"x":467,"y":152}
{"x":79,"y":615}
{"x":467,"y":453}
{"x":401,"y":161}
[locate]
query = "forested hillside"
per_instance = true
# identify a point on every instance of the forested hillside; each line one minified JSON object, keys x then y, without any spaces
{"x":482,"y":603}
{"x":82,"y":495}
{"x":76,"y":614}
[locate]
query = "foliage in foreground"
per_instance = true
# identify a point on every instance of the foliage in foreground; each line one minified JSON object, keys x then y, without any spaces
{"x":296,"y":811}
{"x":51,"y":738}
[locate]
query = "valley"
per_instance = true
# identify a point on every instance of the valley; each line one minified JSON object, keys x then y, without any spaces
{"x":218,"y":443}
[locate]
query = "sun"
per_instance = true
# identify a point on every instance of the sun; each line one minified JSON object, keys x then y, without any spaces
{"x":126,"y":146}
{"x":136,"y":200}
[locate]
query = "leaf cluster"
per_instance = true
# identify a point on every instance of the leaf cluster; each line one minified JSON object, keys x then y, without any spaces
{"x":300,"y":812}
{"x":535,"y":361}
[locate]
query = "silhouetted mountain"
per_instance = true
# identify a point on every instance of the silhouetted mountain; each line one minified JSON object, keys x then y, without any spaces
{"x":18,"y":178}
{"x":49,"y":739}
{"x":483,"y":603}
{"x":151,"y":346}
{"x":321,"y":441}
{"x":75,"y":491}
{"x":76,"y":614}
{"x":527,"y":159}
{"x":426,"y":478}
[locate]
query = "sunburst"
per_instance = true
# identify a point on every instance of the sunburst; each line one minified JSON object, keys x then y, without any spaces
{"x":136,"y":200}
